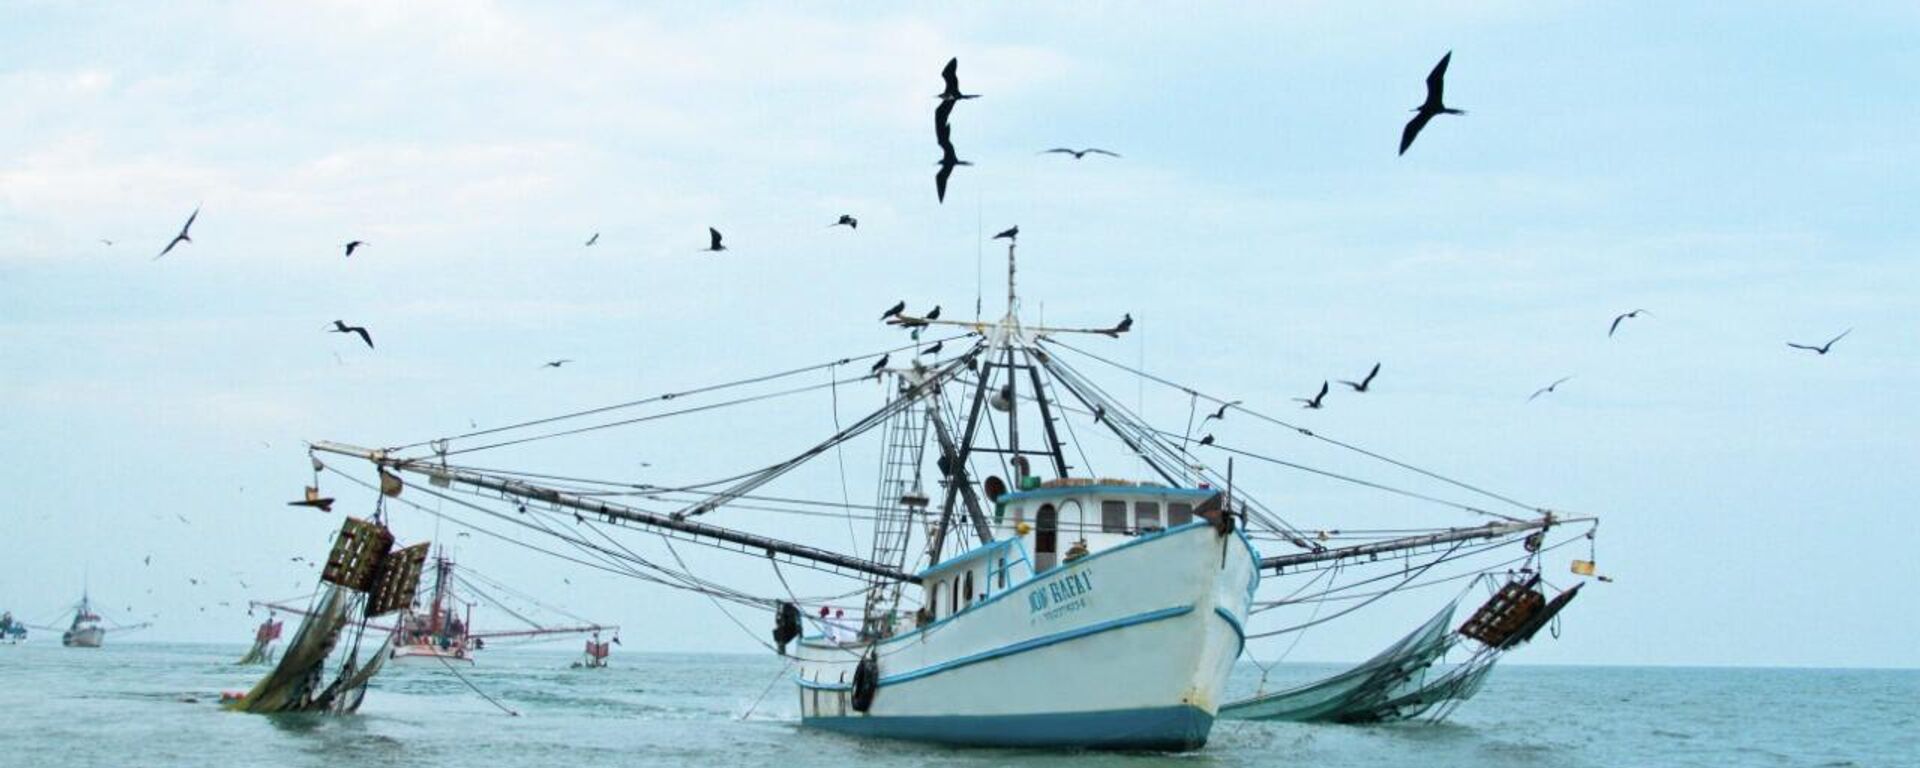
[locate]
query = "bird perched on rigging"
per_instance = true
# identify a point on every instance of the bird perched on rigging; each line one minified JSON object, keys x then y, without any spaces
{"x":1208,"y":440}
{"x":556,"y":363}
{"x":1079,"y":153}
{"x":1099,"y":414}
{"x":935,"y":314}
{"x":1618,"y":318}
{"x":1010,"y":233}
{"x":1221,"y":413}
{"x":341,"y":327}
{"x":352,"y":246}
{"x":847,"y":220}
{"x":713,"y":241}
{"x":933,"y":350}
{"x":948,"y":160}
{"x":1125,"y":324}
{"x":592,"y":240}
{"x":1364,"y":384}
{"x":894,"y":311}
{"x":1436,"y":83}
{"x":1315,"y":401}
{"x":1548,"y":388}
{"x":1824,"y":348}
{"x":879,"y":364}
{"x":183,"y":237}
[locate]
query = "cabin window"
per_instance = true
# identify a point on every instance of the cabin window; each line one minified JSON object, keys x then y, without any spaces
{"x":1003,"y":573}
{"x":969,"y":581}
{"x":933,"y":600}
{"x":1046,"y":542}
{"x":1113,"y":517}
{"x":955,"y":601}
{"x":1146,"y":515}
{"x":1179,"y":514}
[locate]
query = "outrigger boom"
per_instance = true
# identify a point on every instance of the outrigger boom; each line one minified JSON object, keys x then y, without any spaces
{"x":695,"y":530}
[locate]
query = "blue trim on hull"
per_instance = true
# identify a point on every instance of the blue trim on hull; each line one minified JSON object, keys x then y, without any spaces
{"x":1174,"y":728}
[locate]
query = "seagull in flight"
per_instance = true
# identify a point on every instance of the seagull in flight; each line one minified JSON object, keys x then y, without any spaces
{"x":1079,"y":153}
{"x":1436,"y":82}
{"x":341,"y":327}
{"x":847,"y":220}
{"x":1365,"y":383}
{"x":592,"y":240}
{"x":556,"y":363}
{"x":1126,"y":324}
{"x":183,"y":236}
{"x":1221,"y":413}
{"x":1824,"y":348}
{"x":1315,"y":402}
{"x":354,"y":246}
{"x":1548,"y":388}
{"x":1618,"y":318}
{"x":1010,"y":233}
{"x":713,"y":241}
{"x":951,"y":74}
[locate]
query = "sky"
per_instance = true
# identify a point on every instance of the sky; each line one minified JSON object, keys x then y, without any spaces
{"x":1746,"y":177}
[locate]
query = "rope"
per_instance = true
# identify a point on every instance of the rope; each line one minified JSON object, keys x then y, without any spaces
{"x":475,"y":688}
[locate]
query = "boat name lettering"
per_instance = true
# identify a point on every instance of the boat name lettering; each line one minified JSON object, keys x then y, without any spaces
{"x":1062,"y":590}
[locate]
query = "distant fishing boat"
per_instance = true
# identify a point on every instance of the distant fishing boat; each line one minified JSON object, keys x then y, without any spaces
{"x":263,"y":639}
{"x":11,"y":632}
{"x":87,"y":630}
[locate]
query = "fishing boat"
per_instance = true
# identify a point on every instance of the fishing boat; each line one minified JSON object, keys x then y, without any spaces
{"x":263,"y":639}
{"x":11,"y":632}
{"x":1007,"y":597}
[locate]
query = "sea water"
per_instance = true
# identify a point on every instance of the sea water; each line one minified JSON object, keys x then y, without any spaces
{"x":157,"y":705}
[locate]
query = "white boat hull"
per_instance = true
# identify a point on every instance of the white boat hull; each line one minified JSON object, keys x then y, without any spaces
{"x":418,"y":655}
{"x":1129,"y":648}
{"x":84,"y":637}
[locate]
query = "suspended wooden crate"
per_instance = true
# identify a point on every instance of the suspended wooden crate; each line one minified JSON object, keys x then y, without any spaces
{"x":357,"y":552}
{"x":397,"y":581}
{"x":1498,"y":621}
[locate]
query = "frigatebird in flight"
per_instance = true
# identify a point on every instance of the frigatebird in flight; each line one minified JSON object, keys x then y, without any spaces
{"x":340,"y":327}
{"x":948,"y":159}
{"x":1436,"y":82}
{"x":353,"y":246}
{"x":1363,"y":384}
{"x":592,"y":240}
{"x":183,"y":236}
{"x":1822,"y":349}
{"x":951,"y":74}
{"x":1220,"y":414}
{"x":1618,"y":318}
{"x":1548,"y":388}
{"x":1079,"y":153}
{"x":848,"y":220}
{"x":1315,"y":402}
{"x":713,"y":241}
{"x":556,"y":363}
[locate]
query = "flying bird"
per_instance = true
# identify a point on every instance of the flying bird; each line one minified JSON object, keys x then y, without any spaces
{"x":556,"y":363}
{"x":1548,"y":388}
{"x":1010,"y":233}
{"x":592,"y":240}
{"x":1365,"y":383}
{"x":354,"y":246}
{"x":1079,"y":153}
{"x":948,"y":160}
{"x":713,"y":241}
{"x":933,"y":350}
{"x":1822,"y":349}
{"x":1126,"y":324}
{"x":847,"y":220}
{"x":879,"y":364}
{"x":951,"y":74}
{"x":1316,"y":402}
{"x":894,"y":311}
{"x":1618,"y":318}
{"x":183,"y":236}
{"x":1436,"y":82}
{"x":148,"y":560}
{"x":105,"y":241}
{"x":1221,"y":413}
{"x":341,"y":327}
